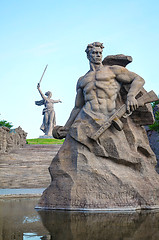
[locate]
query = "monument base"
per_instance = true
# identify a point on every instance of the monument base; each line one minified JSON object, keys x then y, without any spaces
{"x":117,"y":209}
{"x":83,"y":181}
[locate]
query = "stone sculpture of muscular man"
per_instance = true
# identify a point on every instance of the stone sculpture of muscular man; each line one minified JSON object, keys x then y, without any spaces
{"x":116,"y":169}
{"x":97,"y":90}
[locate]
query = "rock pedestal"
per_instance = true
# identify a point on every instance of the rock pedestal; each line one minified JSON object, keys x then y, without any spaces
{"x":116,"y":173}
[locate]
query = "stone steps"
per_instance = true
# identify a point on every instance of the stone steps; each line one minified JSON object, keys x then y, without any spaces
{"x":27,"y":167}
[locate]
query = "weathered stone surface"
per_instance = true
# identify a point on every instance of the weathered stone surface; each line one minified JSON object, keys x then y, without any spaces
{"x":125,"y":179}
{"x":119,"y":59}
{"x":3,"y":138}
{"x":115,"y":169}
{"x":11,"y":139}
{"x":154,"y":142}
{"x":153,"y":137}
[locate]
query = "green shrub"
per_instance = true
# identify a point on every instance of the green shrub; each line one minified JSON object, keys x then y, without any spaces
{"x":155,"y":126}
{"x":4,"y":123}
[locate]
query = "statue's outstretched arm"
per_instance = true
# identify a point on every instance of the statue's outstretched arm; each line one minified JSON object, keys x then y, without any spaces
{"x":57,"y":101}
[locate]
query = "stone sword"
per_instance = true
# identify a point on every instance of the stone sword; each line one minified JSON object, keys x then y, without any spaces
{"x":42,"y":75}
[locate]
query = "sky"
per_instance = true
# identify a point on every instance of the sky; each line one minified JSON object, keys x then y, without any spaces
{"x":35,"y":33}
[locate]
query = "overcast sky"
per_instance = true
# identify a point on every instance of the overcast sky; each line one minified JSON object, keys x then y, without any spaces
{"x":35,"y":33}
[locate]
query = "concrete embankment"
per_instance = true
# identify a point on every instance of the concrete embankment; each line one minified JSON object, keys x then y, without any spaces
{"x":27,"y":167}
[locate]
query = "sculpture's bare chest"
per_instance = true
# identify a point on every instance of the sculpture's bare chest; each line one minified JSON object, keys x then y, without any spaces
{"x":99,"y":81}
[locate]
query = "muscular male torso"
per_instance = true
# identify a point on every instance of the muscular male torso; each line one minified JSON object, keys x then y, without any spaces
{"x":100,"y":90}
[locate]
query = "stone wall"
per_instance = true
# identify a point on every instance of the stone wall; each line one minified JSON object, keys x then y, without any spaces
{"x":154,"y":143}
{"x":11,"y":139}
{"x":153,"y":137}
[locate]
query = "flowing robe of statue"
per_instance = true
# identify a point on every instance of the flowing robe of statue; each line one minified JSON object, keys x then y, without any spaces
{"x":115,"y":171}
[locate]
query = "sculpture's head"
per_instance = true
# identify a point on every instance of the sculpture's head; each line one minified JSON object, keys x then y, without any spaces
{"x":94,"y":52}
{"x":48,"y":94}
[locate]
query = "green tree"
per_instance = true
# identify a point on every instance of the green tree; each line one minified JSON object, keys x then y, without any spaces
{"x":155,"y":126}
{"x":4,"y":123}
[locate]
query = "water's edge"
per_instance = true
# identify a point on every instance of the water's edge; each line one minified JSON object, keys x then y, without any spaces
{"x":21,"y":193}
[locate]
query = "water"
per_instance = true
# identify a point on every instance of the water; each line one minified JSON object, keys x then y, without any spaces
{"x":15,"y":191}
{"x":20,"y":221}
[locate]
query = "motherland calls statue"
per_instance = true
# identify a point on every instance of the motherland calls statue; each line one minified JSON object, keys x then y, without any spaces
{"x":49,"y":120}
{"x":105,"y":161}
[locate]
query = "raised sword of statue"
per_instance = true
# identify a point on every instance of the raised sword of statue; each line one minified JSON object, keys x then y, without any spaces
{"x":145,"y":98}
{"x":42,"y":75}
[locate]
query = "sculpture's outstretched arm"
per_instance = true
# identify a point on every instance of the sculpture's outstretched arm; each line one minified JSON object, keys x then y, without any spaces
{"x":57,"y":101}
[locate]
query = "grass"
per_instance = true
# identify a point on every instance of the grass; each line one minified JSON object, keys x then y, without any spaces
{"x":44,"y":141}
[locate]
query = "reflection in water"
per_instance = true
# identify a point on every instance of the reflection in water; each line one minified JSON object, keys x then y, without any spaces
{"x":28,"y":236}
{"x":101,"y":226}
{"x":32,"y":219}
{"x":20,"y":221}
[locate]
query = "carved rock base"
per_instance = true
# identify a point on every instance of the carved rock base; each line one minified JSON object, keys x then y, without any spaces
{"x":83,"y":181}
